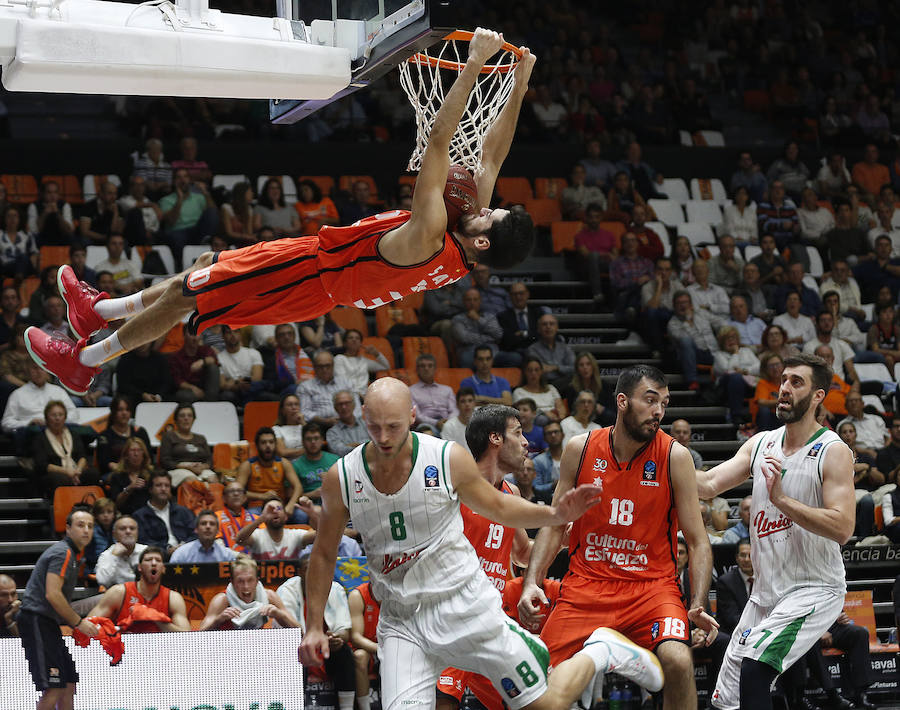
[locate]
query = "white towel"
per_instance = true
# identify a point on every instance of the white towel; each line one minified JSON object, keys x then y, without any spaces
{"x":250,"y":617}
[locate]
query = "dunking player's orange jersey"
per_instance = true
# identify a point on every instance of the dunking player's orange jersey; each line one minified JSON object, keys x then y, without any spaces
{"x":132,"y":596}
{"x":631,"y":534}
{"x":371,"y":610}
{"x":355,"y":274}
{"x":492,"y":542}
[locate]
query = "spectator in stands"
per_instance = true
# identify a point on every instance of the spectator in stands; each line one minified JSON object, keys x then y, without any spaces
{"x":359,"y":205}
{"x":434,"y":402}
{"x":314,"y":462}
{"x":705,"y":295}
{"x":888,"y":458}
{"x":237,"y":216}
{"x":144,"y":375}
{"x":735,"y":368}
{"x":733,"y":589}
{"x":14,"y":364}
{"x":599,"y":171}
{"x":117,"y":562}
{"x":884,"y":214}
{"x":749,"y":176}
{"x":267,"y":476}
{"x":692,"y":333}
{"x":353,"y":367}
{"x":628,"y":273}
{"x":50,"y":218}
{"x":833,"y":178}
{"x":884,"y":335}
{"x":364,"y":612}
{"x":683,"y":258}
{"x":314,"y":210}
{"x":758,"y":297}
{"x":205,"y":548}
{"x":533,"y":433}
{"x":843,"y":353}
{"x":322,"y":333}
{"x":771,"y":266}
{"x":869,"y":174}
{"x":815,"y":220}
{"x":316,"y":394}
{"x":846,"y":240}
{"x":129,"y":482}
{"x":55,"y":311}
{"x":870,"y":429}
{"x":846,"y":287}
{"x":271,"y":211}
{"x":623,"y":198}
{"x":579,"y":196}
{"x":475,"y":328}
{"x":195,"y":371}
{"x":741,"y":529}
{"x":644,"y":177}
{"x":25,"y":406}
{"x":19,"y":255}
{"x":778,"y":216}
{"x":879,"y":271}
{"x":46,"y":289}
{"x":198,"y":169}
{"x":163,"y":523}
{"x":188,"y":216}
{"x":153,"y":168}
{"x":835,"y":402}
{"x":185,"y":454}
{"x":890,"y":509}
{"x":233,"y":516}
{"x":119,"y":429}
{"x":142,"y":216}
{"x":726,"y":267}
{"x":289,"y":427}
{"x":597,"y":247}
{"x":349,"y":431}
{"x":865,"y":218}
{"x":454,"y":428}
{"x":550,"y":115}
{"x":656,"y":303}
{"x":78,"y":262}
{"x":100,"y":217}
{"x":104,"y":512}
{"x":439,"y":307}
{"x":551,"y":349}
{"x":765,"y":399}
{"x":810,"y":303}
{"x":494,"y":299}
{"x":581,"y":420}
{"x":790,"y":171}
{"x":740,"y":219}
{"x":866,"y":474}
{"x":587,"y":377}
{"x":798,"y":328}
{"x":241,"y":370}
{"x":520,"y":322}
{"x":9,"y":317}
{"x":126,"y":273}
{"x":681,"y":432}
{"x":873,"y":121}
{"x":550,"y":406}
{"x":289,"y":364}
{"x":274,"y":541}
{"x":649,"y":243}
{"x":245,"y":603}
{"x":60,"y":456}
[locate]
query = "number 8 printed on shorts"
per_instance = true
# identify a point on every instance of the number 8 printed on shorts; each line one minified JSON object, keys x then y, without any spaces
{"x":528,"y":676}
{"x":398,"y":525}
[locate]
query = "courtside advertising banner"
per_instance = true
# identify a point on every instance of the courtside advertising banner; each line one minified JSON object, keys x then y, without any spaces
{"x":199,"y":670}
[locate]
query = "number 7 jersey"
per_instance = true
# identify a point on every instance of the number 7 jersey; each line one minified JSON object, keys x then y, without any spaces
{"x":632,"y":533}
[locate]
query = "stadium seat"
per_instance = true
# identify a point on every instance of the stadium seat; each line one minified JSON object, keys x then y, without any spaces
{"x":873,"y":372}
{"x":697,"y":234}
{"x":668,"y":212}
{"x":95,"y":254}
{"x":287,"y":186}
{"x":514,"y":191}
{"x":415,"y":346}
{"x":663,"y":233}
{"x":200,"y":495}
{"x":165,"y":254}
{"x":228,"y":456}
{"x":383,"y":346}
{"x":549,"y":187}
{"x":869,"y":310}
{"x":562,"y":235}
{"x":513,"y":375}
{"x":350,"y":317}
{"x":407,"y":180}
{"x":20,"y":189}
{"x":228,"y":181}
{"x":544,"y":210}
{"x":711,"y":250}
{"x":217,"y":421}
{"x":66,"y":496}
{"x":810,"y":282}
{"x":191,"y":253}
{"x":413,"y":300}
{"x":325,"y":183}
{"x":153,"y":417}
{"x":54,"y":256}
{"x":69,"y":188}
{"x":710,"y":139}
{"x":386,"y":317}
{"x":345,"y":183}
{"x":94,"y":417}
{"x":874,"y":401}
{"x":617,"y":229}
{"x":816,"y":267}
{"x":452,"y":376}
{"x":704,"y":211}
{"x":258,"y":415}
{"x":711,"y":189}
{"x":26,"y":288}
{"x":90,"y":184}
{"x":675,"y":189}
{"x":685,"y":138}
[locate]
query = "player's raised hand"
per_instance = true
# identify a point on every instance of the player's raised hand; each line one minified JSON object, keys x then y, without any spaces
{"x":523,"y":68}
{"x":533,"y":606}
{"x":484,"y":45}
{"x":314,"y":649}
{"x":576,"y":501}
{"x":705,"y":623}
{"x":771,"y":470}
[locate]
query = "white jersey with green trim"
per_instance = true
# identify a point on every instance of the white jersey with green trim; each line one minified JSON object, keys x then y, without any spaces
{"x":785,"y":556}
{"x":413,"y":538}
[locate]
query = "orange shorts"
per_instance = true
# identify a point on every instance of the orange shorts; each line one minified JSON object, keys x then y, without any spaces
{"x":263,"y":284}
{"x":453,"y":682}
{"x":646,"y":612}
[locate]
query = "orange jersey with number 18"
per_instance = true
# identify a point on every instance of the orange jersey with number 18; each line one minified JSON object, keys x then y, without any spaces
{"x":631,"y":534}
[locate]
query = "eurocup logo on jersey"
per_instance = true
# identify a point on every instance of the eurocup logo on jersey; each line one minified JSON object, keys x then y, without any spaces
{"x":510,"y":688}
{"x":744,"y":635}
{"x":814,"y":451}
{"x":431,"y":477}
{"x":648,"y":478}
{"x":600,"y":465}
{"x":654,"y":630}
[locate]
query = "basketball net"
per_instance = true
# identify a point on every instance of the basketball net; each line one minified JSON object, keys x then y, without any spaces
{"x":428,"y":75}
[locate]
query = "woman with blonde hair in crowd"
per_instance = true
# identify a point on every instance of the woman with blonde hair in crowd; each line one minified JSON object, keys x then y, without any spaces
{"x":736,"y":371}
{"x":551,"y":406}
{"x":587,"y":378}
{"x":128,"y":485}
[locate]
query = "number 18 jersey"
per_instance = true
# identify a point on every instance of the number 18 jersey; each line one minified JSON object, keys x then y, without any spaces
{"x":632,"y":533}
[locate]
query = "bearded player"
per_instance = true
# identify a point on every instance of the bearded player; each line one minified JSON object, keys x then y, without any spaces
{"x":372,"y":262}
{"x":622,"y":552}
{"x":803,"y":510}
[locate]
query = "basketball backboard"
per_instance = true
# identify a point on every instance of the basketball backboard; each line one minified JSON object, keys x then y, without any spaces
{"x":394,"y":30}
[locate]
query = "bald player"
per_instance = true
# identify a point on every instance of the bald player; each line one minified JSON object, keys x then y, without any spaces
{"x":403,"y":492}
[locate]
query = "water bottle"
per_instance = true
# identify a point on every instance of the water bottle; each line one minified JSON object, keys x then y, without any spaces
{"x":615,"y":696}
{"x":892,"y":635}
{"x":627,"y":696}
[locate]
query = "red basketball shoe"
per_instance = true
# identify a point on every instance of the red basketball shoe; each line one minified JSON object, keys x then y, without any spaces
{"x":80,"y":299}
{"x":59,"y":356}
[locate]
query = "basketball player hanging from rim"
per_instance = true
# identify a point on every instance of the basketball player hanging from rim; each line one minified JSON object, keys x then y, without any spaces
{"x":375,"y":261}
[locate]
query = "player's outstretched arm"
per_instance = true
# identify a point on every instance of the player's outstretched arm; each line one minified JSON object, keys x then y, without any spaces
{"x":837,"y":518}
{"x":727,"y":474}
{"x":314,"y":649}
{"x":500,"y":135}
{"x":109,"y":603}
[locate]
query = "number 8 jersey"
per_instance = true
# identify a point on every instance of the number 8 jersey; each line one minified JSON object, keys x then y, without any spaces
{"x":414,"y":538}
{"x":632,"y":533}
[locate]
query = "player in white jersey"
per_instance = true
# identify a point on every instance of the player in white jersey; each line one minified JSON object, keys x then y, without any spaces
{"x":803,"y":509}
{"x":403,"y":492}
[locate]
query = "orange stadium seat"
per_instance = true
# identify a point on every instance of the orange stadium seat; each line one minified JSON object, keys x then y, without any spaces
{"x":451,"y":376}
{"x":325,"y":182}
{"x":544,"y":211}
{"x":514,"y":190}
{"x":386,"y":317}
{"x":403,"y":374}
{"x":174,"y":340}
{"x":414,"y":346}
{"x":20,"y":189}
{"x":199,"y":495}
{"x":257,"y":415}
{"x":562,"y":234}
{"x":345,"y":182}
{"x":54,"y":256}
{"x":549,"y":187}
{"x":26,"y":289}
{"x":407,"y":180}
{"x":350,"y":317}
{"x":513,"y":375}
{"x":413,"y":300}
{"x":757,"y":100}
{"x":382,"y":345}
{"x":617,"y":229}
{"x":227,"y":457}
{"x":66,"y":496}
{"x":69,"y":187}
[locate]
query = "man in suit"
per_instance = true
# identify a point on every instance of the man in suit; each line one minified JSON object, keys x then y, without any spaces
{"x":519,"y":323}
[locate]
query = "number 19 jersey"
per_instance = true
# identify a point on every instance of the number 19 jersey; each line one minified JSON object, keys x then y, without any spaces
{"x":492,"y":541}
{"x":631,"y":534}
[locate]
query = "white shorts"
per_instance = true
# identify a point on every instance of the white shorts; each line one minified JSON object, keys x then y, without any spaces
{"x":776,"y":636}
{"x":468,"y":631}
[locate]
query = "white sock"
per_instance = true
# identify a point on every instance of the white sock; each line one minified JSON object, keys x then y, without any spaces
{"x":364,"y":703}
{"x":345,"y":699}
{"x":115,"y":308}
{"x":98,"y":353}
{"x":599,"y":654}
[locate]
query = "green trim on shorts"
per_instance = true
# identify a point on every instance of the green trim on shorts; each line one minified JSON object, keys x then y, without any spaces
{"x":780,"y":646}
{"x":536,"y":646}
